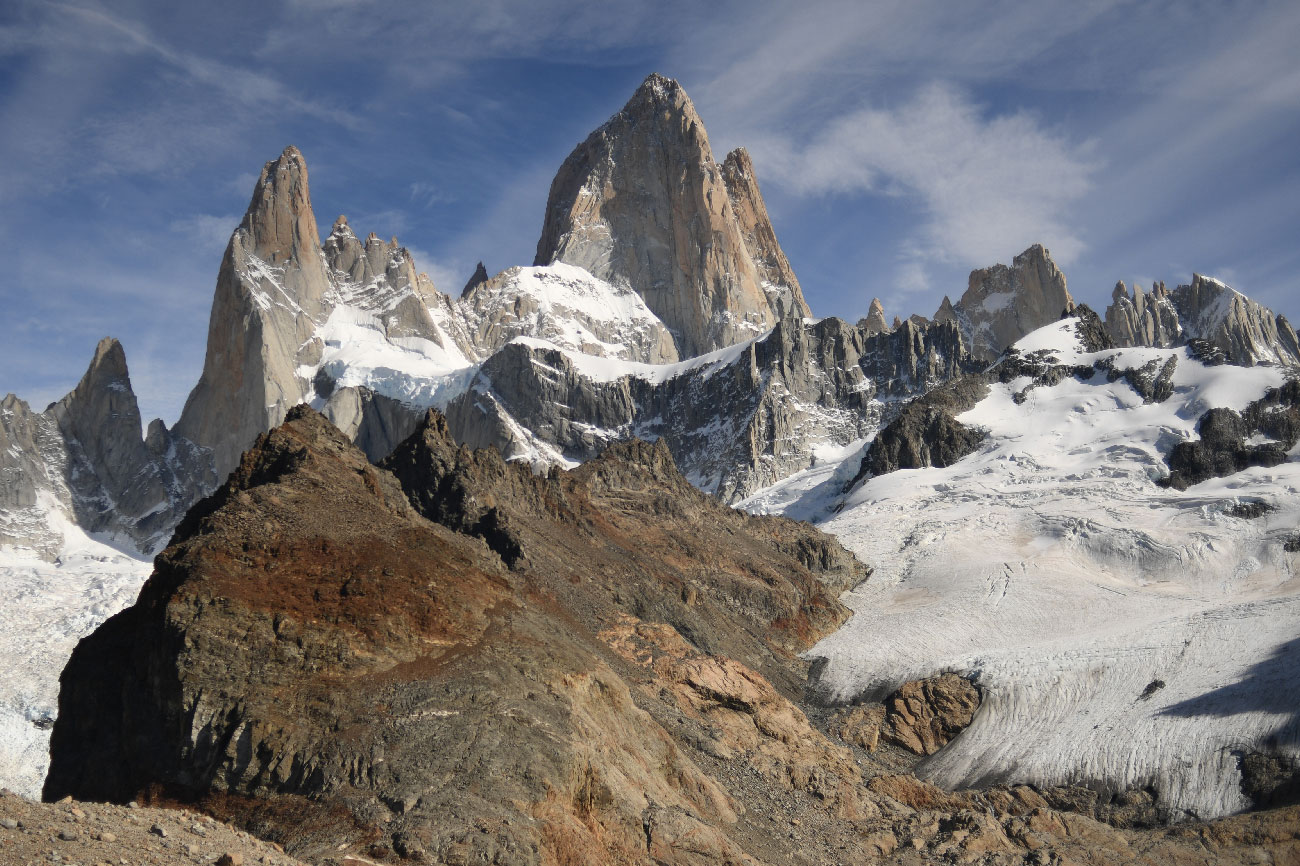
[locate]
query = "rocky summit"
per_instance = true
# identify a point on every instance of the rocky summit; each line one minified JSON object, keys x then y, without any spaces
{"x":1003,"y":304}
{"x":311,"y":640}
{"x":642,"y":203}
{"x":86,"y":460}
{"x":1244,"y":331}
{"x":271,"y":293}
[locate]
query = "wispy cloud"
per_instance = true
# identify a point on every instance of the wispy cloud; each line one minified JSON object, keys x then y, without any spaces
{"x":988,"y":184}
{"x":239,"y":83}
{"x":208,"y":232}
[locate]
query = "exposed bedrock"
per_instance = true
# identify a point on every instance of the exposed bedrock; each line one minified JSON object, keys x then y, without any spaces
{"x":1222,"y":448}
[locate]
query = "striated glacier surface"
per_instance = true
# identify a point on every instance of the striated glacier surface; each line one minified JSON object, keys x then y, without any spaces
{"x":1124,"y":635}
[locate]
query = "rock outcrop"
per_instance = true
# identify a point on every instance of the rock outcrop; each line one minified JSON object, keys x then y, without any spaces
{"x":642,"y":204}
{"x":1246,"y":332}
{"x":478,"y":278}
{"x":921,"y":716}
{"x":1144,"y":318}
{"x":926,"y":432}
{"x":1003,"y":304}
{"x":875,"y":323}
{"x":1222,"y":448}
{"x":374,"y":423}
{"x":735,"y":425}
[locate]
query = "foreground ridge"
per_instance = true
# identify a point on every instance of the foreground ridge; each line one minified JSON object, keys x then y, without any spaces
{"x":315,"y":659}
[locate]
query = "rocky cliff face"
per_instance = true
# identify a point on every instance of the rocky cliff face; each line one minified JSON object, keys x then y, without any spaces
{"x":1003,"y":304}
{"x":736,"y":423}
{"x":1246,"y":332}
{"x":271,"y":296}
{"x":86,"y":456}
{"x":1143,"y":319}
{"x":379,"y":277}
{"x":642,"y":204}
{"x":774,"y":271}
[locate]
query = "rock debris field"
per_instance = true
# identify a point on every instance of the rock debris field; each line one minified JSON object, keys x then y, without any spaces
{"x":98,"y":834}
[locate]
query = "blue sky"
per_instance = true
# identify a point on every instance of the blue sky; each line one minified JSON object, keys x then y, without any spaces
{"x":898,"y":144}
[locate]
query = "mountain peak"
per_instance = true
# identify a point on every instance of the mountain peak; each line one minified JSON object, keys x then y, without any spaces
{"x":1003,"y":304}
{"x":642,"y":204}
{"x":478,"y":278}
{"x":109,"y":360}
{"x":271,"y":292}
{"x":279,"y":220}
{"x":661,"y":88}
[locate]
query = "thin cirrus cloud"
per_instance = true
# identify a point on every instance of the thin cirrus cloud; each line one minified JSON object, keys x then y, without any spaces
{"x":987,"y":183}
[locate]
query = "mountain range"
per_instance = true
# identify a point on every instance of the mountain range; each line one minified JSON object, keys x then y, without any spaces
{"x":1072,"y":515}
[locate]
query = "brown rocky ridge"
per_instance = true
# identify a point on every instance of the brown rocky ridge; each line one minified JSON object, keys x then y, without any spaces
{"x":448,"y":659}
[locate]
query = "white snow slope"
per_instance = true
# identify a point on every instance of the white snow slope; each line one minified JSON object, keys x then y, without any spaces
{"x":1052,"y":568}
{"x":48,"y":607}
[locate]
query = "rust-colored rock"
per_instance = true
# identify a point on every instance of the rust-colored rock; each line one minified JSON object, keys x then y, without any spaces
{"x":923,"y":715}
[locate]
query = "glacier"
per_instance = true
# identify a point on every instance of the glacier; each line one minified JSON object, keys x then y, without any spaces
{"x":51,"y":603}
{"x":1123,"y":635}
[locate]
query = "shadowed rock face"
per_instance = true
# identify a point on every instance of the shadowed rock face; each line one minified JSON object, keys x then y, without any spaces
{"x":1222,"y":450}
{"x":641,"y":203}
{"x":927,"y":432}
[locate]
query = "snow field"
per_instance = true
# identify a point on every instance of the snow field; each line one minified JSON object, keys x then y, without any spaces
{"x":1050,"y":567}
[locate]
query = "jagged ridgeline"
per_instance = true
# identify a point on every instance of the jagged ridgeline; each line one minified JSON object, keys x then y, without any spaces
{"x":660,"y":305}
